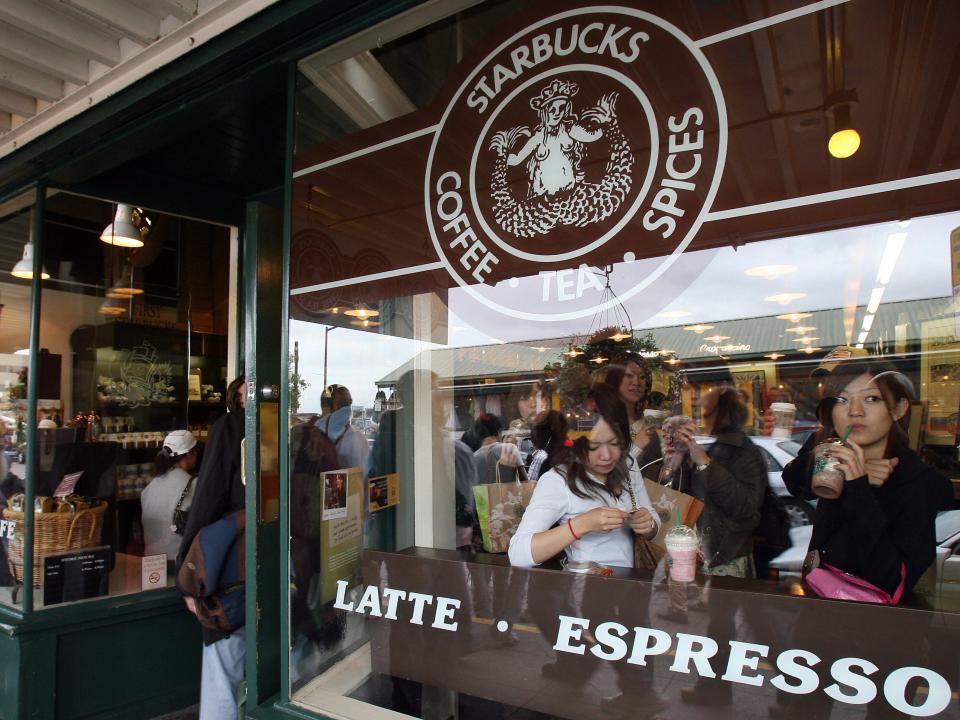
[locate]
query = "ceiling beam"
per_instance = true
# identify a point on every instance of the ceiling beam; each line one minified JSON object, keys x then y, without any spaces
{"x":23,"y":79}
{"x":43,"y":55}
{"x":12,"y":101}
{"x":32,"y":17}
{"x":122,"y":16}
{"x":182,"y":10}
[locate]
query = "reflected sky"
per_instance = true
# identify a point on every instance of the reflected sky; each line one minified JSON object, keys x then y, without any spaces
{"x":833,"y":269}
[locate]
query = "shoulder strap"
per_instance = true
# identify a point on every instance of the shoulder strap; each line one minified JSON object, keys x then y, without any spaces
{"x":183,"y":495}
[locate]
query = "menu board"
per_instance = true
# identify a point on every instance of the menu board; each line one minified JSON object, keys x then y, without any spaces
{"x":78,"y":575}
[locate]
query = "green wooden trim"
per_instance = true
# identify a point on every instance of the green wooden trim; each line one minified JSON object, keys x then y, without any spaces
{"x":276,"y":709}
{"x":38,"y":214}
{"x":284,"y":587}
{"x":251,"y":236}
{"x":92,"y":613}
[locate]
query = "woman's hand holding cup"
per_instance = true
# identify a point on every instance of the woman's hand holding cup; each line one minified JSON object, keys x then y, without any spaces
{"x":852,"y":464}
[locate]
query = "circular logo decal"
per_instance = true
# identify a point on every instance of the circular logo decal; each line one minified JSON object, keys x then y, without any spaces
{"x":593,"y":137}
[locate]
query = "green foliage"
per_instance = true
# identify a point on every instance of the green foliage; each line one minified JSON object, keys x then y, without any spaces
{"x":297,"y":387}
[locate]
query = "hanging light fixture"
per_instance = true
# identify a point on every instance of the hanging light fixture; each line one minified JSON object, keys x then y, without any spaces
{"x":362,"y":311}
{"x":24,"y":267}
{"x":128,"y":229}
{"x":112,"y":308}
{"x":845,"y":140}
{"x":123,"y":291}
{"x":365,"y":323}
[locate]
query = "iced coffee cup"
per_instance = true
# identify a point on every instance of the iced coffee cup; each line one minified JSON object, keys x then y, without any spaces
{"x":654,"y":418}
{"x":827,"y":479}
{"x":784,"y":414}
{"x":683,"y":545}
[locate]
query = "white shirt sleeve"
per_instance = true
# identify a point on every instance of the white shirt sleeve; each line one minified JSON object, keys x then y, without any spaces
{"x":550,"y":502}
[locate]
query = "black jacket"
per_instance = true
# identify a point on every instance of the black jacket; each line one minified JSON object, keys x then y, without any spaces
{"x":219,"y":488}
{"x":732,"y":489}
{"x":869,"y":531}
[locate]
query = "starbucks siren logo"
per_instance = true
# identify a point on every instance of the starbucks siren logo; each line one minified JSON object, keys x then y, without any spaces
{"x":557,"y":192}
{"x":562,"y":150}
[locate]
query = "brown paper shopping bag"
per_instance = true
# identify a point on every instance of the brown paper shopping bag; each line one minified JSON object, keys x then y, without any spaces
{"x":500,"y":506}
{"x":665,"y":501}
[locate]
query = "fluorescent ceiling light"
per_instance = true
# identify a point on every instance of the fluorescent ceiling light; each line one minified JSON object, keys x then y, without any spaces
{"x":801,"y":329}
{"x":875,"y":298}
{"x":699,"y":328}
{"x":806,"y":340}
{"x":717,"y":338}
{"x":795,"y":317}
{"x":862,"y":338}
{"x":890,"y":255}
{"x":770,"y":272}
{"x":867,"y":323}
{"x":785,"y":298}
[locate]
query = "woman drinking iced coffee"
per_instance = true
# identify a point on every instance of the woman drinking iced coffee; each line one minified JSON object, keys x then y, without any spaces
{"x":883,"y":519}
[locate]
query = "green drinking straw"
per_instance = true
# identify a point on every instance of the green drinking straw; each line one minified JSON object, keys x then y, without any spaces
{"x":847,"y":433}
{"x":677,"y":508}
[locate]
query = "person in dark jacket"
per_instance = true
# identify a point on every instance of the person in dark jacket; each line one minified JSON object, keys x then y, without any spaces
{"x":730,"y":478}
{"x":885,"y":517}
{"x":219,"y":491}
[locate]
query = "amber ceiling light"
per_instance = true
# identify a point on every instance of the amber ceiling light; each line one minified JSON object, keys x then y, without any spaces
{"x":845,"y":140}
{"x":699,"y":328}
{"x":794,"y":317}
{"x":362,"y":311}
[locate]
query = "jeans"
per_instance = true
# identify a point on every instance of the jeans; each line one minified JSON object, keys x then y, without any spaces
{"x":221,"y":675}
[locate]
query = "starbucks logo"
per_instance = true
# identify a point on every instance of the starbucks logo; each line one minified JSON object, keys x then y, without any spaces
{"x":594,"y":136}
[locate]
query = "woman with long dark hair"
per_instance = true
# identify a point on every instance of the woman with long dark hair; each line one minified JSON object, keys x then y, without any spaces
{"x":884,"y":518}
{"x":587,"y":495}
{"x":631,"y":379}
{"x":590,"y":507}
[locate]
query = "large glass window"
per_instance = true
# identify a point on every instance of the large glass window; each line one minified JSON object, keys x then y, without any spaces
{"x":513,"y":214}
{"x":16,"y":220}
{"x":131,"y":369}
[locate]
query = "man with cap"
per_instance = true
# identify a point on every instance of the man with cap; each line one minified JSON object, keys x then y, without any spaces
{"x":352,"y":447}
{"x":170,"y":489}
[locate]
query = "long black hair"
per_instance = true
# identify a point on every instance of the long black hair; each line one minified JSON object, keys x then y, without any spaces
{"x":548,"y":433}
{"x":608,"y":406}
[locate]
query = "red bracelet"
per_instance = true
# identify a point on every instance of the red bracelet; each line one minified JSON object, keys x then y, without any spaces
{"x":572,"y":532}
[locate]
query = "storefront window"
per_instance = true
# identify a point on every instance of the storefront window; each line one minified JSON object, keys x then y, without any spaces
{"x":16,"y":218}
{"x":133,"y":346}
{"x":514,"y":214}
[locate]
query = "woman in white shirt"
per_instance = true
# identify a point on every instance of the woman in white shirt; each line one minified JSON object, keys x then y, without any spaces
{"x":593,"y":502}
{"x":173,"y":481}
{"x":590,"y":506}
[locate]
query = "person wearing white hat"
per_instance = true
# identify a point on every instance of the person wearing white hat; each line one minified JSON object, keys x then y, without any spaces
{"x":171,"y":489}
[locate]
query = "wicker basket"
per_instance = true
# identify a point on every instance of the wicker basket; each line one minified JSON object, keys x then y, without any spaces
{"x":54,"y":532}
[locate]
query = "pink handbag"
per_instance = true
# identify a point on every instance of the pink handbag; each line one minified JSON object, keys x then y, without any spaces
{"x":829,"y":582}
